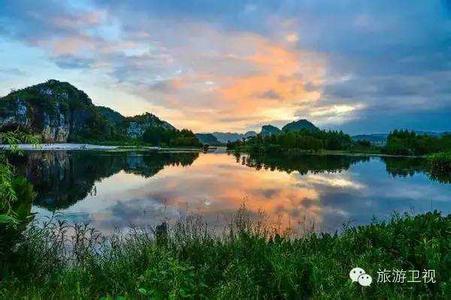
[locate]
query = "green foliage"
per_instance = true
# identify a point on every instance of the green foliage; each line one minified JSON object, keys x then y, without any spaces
{"x":313,"y":140}
{"x":16,"y":197}
{"x":441,"y":162}
{"x":158,"y":136}
{"x":14,"y":138}
{"x":7,"y":191}
{"x":441,"y":166}
{"x":404,"y":142}
{"x":13,"y":190}
{"x":249,"y":261}
{"x":15,"y":214}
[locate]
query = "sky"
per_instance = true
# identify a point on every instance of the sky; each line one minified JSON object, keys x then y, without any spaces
{"x":359,"y":66}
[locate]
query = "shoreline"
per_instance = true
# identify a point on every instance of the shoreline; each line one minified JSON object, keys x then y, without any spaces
{"x":87,"y":147}
{"x":54,"y":147}
{"x":91,"y":147}
{"x":345,"y":153}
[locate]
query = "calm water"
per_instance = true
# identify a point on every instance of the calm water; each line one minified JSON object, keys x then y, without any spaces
{"x":115,"y":190}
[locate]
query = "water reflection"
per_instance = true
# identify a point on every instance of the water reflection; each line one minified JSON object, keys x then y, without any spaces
{"x":62,"y":178}
{"x":303,"y":164}
{"x":118,"y":189}
{"x":409,"y":166}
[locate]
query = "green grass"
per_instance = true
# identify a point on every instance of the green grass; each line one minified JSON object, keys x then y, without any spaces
{"x":441,"y":162}
{"x":440,"y":166}
{"x":246,"y":262}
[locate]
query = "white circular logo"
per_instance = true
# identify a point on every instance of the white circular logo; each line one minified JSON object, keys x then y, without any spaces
{"x":355,"y":273}
{"x":359,"y":275}
{"x":365,"y":280}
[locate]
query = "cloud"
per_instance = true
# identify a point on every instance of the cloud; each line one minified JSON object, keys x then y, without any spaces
{"x":12,"y":71}
{"x":233,"y":64}
{"x":270,"y":94}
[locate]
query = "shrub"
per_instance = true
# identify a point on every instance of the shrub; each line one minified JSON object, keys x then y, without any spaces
{"x":250,"y":261}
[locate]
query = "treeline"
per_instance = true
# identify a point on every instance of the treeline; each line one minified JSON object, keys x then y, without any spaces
{"x":297,"y":140}
{"x":399,"y":142}
{"x":153,"y":136}
{"x":157,"y":136}
{"x":404,"y":142}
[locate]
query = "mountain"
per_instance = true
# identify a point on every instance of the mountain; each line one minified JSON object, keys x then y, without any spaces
{"x":432,"y":133}
{"x":137,"y":125}
{"x":299,"y":125}
{"x":379,"y":138}
{"x":59,"y":112}
{"x":250,"y":134}
{"x":268,"y":130}
{"x":225,"y":137}
{"x":110,"y":115}
{"x":208,"y":139}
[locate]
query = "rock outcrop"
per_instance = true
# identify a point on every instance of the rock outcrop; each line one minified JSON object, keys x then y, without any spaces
{"x":136,"y":126}
{"x":59,"y":112}
{"x":268,"y":130}
{"x":300,"y":125}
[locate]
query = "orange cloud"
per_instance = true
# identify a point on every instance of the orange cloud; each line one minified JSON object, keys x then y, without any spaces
{"x":195,"y":75}
{"x":243,"y":79}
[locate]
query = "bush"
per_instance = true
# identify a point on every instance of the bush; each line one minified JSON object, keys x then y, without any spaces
{"x":251,"y":261}
{"x":404,"y":142}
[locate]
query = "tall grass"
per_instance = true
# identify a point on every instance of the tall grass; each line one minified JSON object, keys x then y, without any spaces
{"x":61,"y":261}
{"x":441,"y":166}
{"x":441,"y":162}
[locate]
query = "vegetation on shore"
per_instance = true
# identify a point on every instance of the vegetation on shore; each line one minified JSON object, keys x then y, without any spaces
{"x":153,"y":137}
{"x":404,"y":142}
{"x":399,"y":142}
{"x":248,"y":261}
{"x":292,"y":142}
{"x":440,"y":164}
{"x":16,"y":195}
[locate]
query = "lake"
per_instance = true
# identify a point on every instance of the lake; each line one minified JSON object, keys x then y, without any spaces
{"x":113,"y":190}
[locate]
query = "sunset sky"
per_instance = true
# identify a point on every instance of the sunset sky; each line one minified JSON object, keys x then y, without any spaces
{"x":361,"y":66}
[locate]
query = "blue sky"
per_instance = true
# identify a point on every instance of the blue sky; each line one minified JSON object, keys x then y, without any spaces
{"x":360,"y":66}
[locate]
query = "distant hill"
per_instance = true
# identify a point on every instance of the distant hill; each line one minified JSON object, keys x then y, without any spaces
{"x":268,"y":130}
{"x":250,"y":134}
{"x":225,"y":137}
{"x":432,"y":133}
{"x":299,"y":125}
{"x":137,"y":125}
{"x":380,"y":138}
{"x":208,"y":139}
{"x":59,"y":112}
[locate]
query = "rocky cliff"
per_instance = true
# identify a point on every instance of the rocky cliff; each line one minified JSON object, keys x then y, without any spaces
{"x":268,"y":130}
{"x":59,"y":112}
{"x":300,"y":125}
{"x":208,"y":139}
{"x":137,"y":125}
